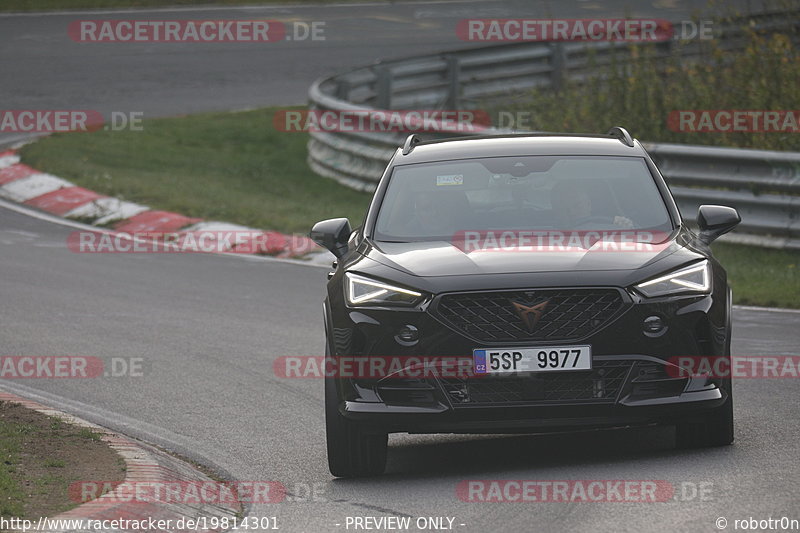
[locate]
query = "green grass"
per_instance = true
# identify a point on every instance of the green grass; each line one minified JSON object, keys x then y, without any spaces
{"x":760,"y":276}
{"x":234,"y":167}
{"x":88,"y":434}
{"x":47,"y":5}
{"x":13,"y":496}
{"x":41,"y":456}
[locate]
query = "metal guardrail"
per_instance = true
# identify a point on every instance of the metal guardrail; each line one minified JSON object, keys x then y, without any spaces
{"x":763,"y":185}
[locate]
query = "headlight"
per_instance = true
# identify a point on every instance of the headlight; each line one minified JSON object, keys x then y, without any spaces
{"x":694,"y":278}
{"x":366,"y":291}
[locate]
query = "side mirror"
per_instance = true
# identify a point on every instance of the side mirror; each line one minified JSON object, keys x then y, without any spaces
{"x":332,"y":234}
{"x":716,"y":220}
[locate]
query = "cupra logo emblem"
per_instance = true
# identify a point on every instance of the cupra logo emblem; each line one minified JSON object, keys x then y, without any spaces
{"x":530,"y":315}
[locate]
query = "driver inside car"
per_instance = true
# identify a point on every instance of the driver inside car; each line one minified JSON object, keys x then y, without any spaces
{"x":573,"y":207}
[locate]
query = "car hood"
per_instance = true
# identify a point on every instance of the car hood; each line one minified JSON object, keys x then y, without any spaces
{"x":443,"y":258}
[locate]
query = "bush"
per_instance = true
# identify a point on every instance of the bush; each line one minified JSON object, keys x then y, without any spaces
{"x":641,"y":86}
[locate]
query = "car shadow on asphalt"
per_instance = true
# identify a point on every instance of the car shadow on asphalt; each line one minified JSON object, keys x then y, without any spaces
{"x":420,"y":456}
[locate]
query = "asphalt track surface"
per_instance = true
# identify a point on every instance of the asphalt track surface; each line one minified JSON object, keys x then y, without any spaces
{"x":209,"y":328}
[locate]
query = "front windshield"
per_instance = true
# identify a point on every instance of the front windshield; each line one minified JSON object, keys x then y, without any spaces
{"x":435,"y":201}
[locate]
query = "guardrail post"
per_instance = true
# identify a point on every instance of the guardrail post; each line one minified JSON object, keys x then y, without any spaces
{"x":558,"y":63}
{"x":383,"y":88}
{"x":453,"y":86}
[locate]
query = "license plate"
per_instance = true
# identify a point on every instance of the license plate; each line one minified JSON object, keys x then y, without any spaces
{"x":543,"y":359}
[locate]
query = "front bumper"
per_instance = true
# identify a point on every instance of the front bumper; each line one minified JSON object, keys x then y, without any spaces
{"x":631,"y":382}
{"x":430,"y":405}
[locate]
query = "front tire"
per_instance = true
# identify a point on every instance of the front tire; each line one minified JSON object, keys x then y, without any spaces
{"x":352,"y":451}
{"x":712,"y":430}
{"x":715,"y":429}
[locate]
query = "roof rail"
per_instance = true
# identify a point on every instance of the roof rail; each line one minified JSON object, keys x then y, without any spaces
{"x":621,"y":134}
{"x":411,"y":141}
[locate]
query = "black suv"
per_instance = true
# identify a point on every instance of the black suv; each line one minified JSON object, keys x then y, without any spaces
{"x":557,"y":266}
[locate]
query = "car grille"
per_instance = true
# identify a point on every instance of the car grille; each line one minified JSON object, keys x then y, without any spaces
{"x":568,"y":314}
{"x":602,"y":384}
